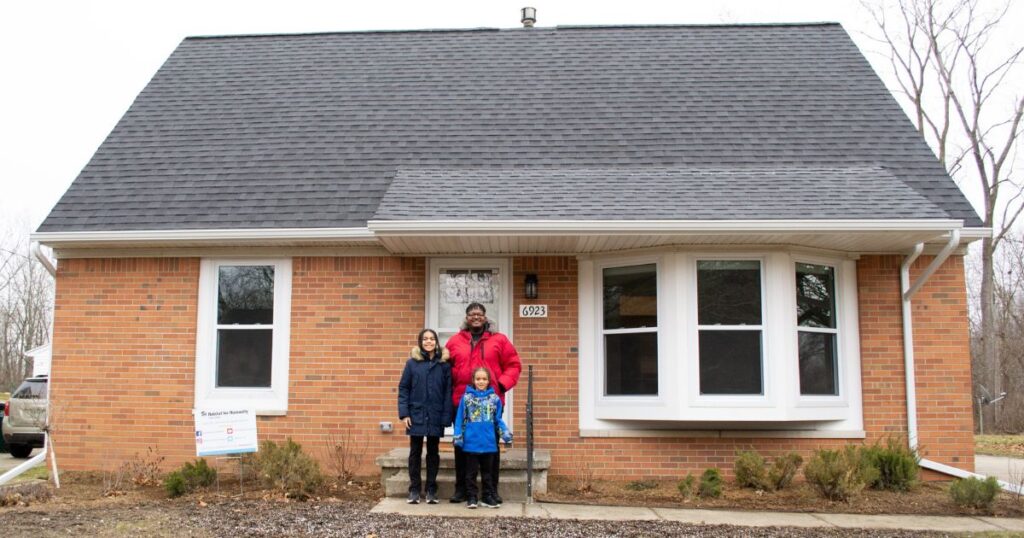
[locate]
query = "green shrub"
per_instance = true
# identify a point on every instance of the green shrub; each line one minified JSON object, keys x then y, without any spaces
{"x":686,"y":486}
{"x":784,"y":469}
{"x":641,"y":485}
{"x":897,"y":465}
{"x":710,"y":484}
{"x":840,"y":475}
{"x":974,"y":492}
{"x":751,"y":471}
{"x":190,"y":477}
{"x":286,"y":468}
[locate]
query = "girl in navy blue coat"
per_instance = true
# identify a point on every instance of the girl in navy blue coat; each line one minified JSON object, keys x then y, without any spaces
{"x":425,"y":407}
{"x":477,"y":426}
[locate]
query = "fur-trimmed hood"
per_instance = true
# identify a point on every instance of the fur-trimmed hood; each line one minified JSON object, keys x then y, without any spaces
{"x":415,"y":354}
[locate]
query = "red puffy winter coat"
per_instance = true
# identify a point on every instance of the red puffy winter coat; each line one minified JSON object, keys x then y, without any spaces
{"x":493,"y":351}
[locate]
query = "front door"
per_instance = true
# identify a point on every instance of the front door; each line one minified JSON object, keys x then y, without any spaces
{"x":454,"y":283}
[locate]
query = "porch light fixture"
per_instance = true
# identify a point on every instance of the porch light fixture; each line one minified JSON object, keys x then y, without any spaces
{"x":531,"y":286}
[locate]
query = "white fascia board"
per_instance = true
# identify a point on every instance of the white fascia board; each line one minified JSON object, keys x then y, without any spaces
{"x":972,"y":234}
{"x":611,"y":227}
{"x":204,"y":236}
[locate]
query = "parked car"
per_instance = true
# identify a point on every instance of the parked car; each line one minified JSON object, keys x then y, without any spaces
{"x":25,"y":417}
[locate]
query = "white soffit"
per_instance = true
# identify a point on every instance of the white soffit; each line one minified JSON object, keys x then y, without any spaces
{"x":552,"y":237}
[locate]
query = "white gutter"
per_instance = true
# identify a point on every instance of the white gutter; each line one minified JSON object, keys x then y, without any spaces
{"x":50,"y":266}
{"x":205,"y":236}
{"x":552,"y":227}
{"x":907,"y":292}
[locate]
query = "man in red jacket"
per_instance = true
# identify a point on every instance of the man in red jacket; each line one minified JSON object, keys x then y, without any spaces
{"x":472,"y":347}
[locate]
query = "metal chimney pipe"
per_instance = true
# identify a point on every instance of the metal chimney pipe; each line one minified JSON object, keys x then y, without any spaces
{"x":529,"y":17}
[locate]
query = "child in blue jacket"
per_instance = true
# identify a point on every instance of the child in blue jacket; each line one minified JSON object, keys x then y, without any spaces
{"x":477,"y":425}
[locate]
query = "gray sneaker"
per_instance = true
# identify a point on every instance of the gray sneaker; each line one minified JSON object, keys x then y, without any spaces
{"x":414,"y":497}
{"x":431,"y":498}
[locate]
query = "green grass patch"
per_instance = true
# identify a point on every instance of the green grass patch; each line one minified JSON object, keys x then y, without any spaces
{"x":39,"y":472}
{"x":1000,"y":445}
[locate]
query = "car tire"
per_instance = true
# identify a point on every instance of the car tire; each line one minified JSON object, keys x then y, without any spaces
{"x":19,"y":451}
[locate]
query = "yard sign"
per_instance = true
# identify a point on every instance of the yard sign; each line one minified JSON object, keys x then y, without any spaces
{"x":225,"y":431}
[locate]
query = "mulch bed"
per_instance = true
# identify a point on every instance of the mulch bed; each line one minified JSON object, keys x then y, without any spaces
{"x":930,"y":498}
{"x":81,"y":508}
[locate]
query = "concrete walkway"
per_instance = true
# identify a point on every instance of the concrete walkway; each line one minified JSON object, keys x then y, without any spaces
{"x":1006,"y":469}
{"x":394,"y":505}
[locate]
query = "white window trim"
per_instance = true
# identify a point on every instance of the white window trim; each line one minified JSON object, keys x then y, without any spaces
{"x":265,"y":401}
{"x":847,"y":340}
{"x":679,"y":404}
{"x":692,"y":343}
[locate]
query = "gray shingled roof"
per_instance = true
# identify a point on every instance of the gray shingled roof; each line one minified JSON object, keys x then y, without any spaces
{"x":654,"y":193}
{"x":309,"y":130}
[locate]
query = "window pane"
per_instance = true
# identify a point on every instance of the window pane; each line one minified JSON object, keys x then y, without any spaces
{"x":728,"y":292}
{"x":459,"y":287}
{"x":730,"y":362}
{"x":631,"y":297}
{"x":631,"y":364}
{"x":245,"y":295}
{"x":244,"y":357}
{"x":31,"y":390}
{"x":818,"y":372}
{"x":815,"y":296}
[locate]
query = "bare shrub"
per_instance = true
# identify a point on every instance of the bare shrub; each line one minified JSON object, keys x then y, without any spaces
{"x":345,"y":454}
{"x":583,"y":475}
{"x":113,"y":480}
{"x":24,"y":494}
{"x":144,"y":470}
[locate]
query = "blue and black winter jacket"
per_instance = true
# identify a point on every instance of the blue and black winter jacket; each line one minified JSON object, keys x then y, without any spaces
{"x":478,"y":420}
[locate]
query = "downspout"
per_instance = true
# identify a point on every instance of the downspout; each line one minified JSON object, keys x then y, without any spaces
{"x":51,"y":267}
{"x":907,"y":291}
{"x":44,"y":259}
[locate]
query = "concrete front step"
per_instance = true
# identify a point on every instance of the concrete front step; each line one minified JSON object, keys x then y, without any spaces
{"x":512,"y":483}
{"x":512,"y":488}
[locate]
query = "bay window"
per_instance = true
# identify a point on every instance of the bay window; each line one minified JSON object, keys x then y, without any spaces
{"x":691,"y":340}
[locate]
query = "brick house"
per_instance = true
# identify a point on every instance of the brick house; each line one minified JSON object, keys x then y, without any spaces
{"x":715,"y":218}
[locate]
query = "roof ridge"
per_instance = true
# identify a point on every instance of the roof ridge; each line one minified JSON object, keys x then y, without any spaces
{"x":516,"y":29}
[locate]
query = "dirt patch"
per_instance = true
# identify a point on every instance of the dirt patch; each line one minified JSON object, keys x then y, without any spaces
{"x":333,"y":517}
{"x":80,"y":507}
{"x":930,"y":498}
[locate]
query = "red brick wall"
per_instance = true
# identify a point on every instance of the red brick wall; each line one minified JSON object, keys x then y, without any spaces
{"x":123,"y":359}
{"x":125,"y":345}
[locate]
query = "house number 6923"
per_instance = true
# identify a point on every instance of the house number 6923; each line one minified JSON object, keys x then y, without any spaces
{"x":533,"y":310}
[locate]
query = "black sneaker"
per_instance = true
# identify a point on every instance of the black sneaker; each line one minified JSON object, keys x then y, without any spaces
{"x":490,"y":502}
{"x":459,"y":497}
{"x":414,"y":497}
{"x":431,"y":497}
{"x":471,"y":503}
{"x":497,"y":499}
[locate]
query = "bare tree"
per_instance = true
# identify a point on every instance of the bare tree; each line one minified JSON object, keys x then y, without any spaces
{"x":966,"y":105}
{"x":26,"y":305}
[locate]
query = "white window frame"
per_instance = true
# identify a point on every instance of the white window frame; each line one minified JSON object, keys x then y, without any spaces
{"x":729,"y":400}
{"x":847,"y":347}
{"x":271,"y":400}
{"x":660,"y":405}
{"x":679,"y":403}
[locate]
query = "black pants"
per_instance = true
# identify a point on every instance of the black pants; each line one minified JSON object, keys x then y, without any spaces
{"x":460,"y":469}
{"x":433,"y":462}
{"x":481,"y":463}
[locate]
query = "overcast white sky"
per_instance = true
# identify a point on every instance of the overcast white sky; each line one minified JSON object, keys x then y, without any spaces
{"x":71,"y":69}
